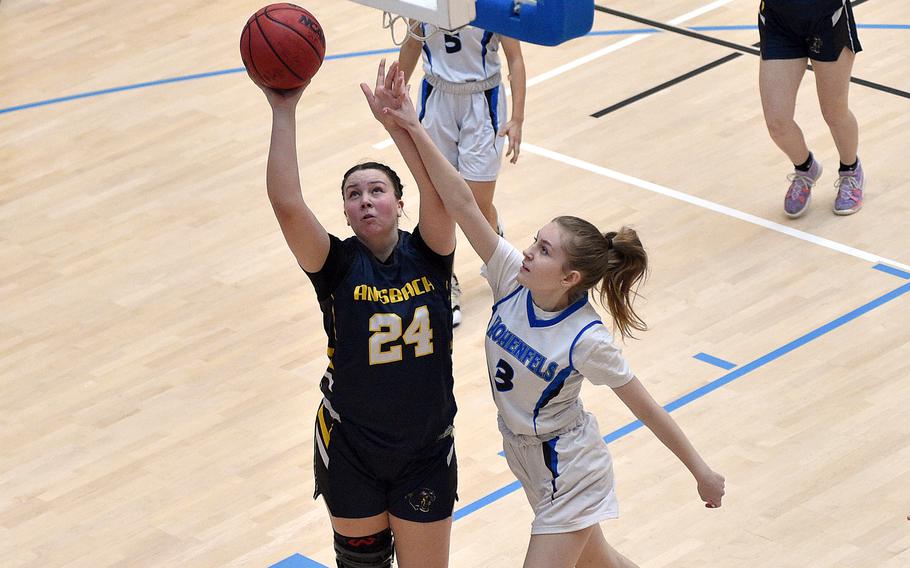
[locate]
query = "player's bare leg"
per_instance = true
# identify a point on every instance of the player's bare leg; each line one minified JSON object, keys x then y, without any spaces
{"x":778,"y":83}
{"x":556,"y":550}
{"x":483,"y":194}
{"x":422,"y":545}
{"x":599,"y":554}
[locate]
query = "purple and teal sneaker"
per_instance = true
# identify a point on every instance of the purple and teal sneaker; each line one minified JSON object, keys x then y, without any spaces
{"x":800,"y":193}
{"x":850,"y":187}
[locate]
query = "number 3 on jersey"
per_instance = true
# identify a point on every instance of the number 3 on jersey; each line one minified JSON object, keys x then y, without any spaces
{"x":386,"y":328}
{"x":504,"y":375}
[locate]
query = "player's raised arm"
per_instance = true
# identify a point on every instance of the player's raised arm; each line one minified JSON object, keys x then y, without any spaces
{"x":451,"y":187}
{"x":436,"y":225}
{"x":305,"y":235}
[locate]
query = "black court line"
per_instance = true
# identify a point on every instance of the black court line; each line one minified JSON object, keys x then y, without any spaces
{"x":675,"y":29}
{"x":666,"y":85}
{"x":741,"y":49}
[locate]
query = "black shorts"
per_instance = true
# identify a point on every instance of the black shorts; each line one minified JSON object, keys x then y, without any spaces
{"x":817,"y":29}
{"x":359,"y":479}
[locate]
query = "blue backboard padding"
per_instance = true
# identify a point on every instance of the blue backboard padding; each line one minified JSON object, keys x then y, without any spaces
{"x":548,"y":22}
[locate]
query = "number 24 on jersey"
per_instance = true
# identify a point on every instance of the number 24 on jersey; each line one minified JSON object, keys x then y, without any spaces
{"x":387,"y":328}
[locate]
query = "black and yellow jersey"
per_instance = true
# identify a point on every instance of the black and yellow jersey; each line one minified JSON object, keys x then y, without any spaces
{"x":389,"y":328}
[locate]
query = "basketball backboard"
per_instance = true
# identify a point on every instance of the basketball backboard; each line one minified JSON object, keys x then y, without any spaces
{"x":544,"y":22}
{"x":445,"y":14}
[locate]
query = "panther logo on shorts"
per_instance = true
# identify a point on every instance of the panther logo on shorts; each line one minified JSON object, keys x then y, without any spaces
{"x":815,"y":44}
{"x":422,"y":499}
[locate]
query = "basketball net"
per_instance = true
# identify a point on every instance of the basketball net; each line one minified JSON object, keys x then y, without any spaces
{"x":389,"y":20}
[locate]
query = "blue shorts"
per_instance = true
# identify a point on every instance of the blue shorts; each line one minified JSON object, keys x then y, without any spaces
{"x":814,"y":29}
{"x":359,"y":479}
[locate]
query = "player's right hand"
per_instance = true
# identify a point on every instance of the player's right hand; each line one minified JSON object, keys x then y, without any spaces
{"x":283,"y":98}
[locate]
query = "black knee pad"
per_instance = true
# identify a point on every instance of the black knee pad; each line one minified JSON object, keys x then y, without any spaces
{"x":373,"y":551}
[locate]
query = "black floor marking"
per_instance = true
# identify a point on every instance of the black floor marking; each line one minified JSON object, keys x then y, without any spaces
{"x":741,"y":49}
{"x":666,"y":85}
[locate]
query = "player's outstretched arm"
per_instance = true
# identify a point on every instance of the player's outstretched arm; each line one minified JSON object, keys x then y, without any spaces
{"x":436,"y":225}
{"x":451,"y":187}
{"x":305,"y":235}
{"x":710,"y":483}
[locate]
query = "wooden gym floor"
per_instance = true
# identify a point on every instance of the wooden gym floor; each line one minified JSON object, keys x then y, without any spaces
{"x":160,"y":351}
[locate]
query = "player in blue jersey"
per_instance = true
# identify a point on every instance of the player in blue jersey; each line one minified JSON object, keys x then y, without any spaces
{"x":384,"y":454}
{"x":792,"y":33}
{"x":463,"y":105}
{"x":543,"y":340}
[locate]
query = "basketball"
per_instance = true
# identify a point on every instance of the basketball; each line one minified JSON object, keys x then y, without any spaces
{"x":282,"y":46}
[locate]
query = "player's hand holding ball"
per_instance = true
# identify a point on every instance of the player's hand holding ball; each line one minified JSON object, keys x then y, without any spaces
{"x":282,"y":47}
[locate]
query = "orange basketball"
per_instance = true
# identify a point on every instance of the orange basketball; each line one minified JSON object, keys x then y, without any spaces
{"x":282,"y":46}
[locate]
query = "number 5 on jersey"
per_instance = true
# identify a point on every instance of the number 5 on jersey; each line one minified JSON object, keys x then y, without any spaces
{"x":386,"y":329}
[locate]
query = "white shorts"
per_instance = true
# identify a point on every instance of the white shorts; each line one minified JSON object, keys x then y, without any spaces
{"x":464,"y":128}
{"x":568,"y":480}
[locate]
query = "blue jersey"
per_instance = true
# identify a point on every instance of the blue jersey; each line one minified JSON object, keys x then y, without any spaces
{"x":389,"y":328}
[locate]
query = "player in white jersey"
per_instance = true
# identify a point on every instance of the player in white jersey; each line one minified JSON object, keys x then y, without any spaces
{"x":463,"y":107}
{"x":543,"y":339}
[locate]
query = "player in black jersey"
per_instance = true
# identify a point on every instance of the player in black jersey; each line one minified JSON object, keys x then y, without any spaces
{"x":823,"y":31}
{"x":384,"y":448}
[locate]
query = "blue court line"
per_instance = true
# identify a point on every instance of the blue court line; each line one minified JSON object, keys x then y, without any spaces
{"x":714,"y":361}
{"x":681,"y":401}
{"x":364,"y":54}
{"x":714,"y":385}
{"x":893,"y":271}
{"x":693,"y":395}
{"x":173,"y":80}
{"x":884,"y":26}
{"x":484,"y":501}
{"x":298,"y":561}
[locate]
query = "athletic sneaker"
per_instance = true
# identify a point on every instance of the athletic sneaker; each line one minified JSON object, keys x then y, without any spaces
{"x":849,"y":187}
{"x":800,"y":193}
{"x":456,"y":302}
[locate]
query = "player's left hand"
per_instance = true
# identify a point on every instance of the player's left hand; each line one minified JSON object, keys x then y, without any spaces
{"x":711,"y":488}
{"x":512,"y":129}
{"x":387,"y":94}
{"x":394,"y":102}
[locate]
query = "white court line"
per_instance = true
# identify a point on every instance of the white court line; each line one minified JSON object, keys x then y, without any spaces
{"x":699,"y":11}
{"x":596,"y":55}
{"x":672,"y":193}
{"x":710,"y":205}
{"x":383,"y":145}
{"x":582,"y":60}
{"x":624,"y":43}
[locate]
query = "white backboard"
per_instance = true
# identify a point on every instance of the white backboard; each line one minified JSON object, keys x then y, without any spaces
{"x":445,"y":14}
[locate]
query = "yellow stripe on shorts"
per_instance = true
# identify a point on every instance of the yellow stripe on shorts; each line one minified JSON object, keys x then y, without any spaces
{"x":326,"y":431}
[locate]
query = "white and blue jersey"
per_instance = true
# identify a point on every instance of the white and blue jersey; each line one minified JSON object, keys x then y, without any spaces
{"x":537,"y":359}
{"x":461,"y":102}
{"x":468,"y":55}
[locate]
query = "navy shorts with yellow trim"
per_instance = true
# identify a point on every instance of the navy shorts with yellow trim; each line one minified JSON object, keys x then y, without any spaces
{"x":817,"y":29}
{"x":358,"y":479}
